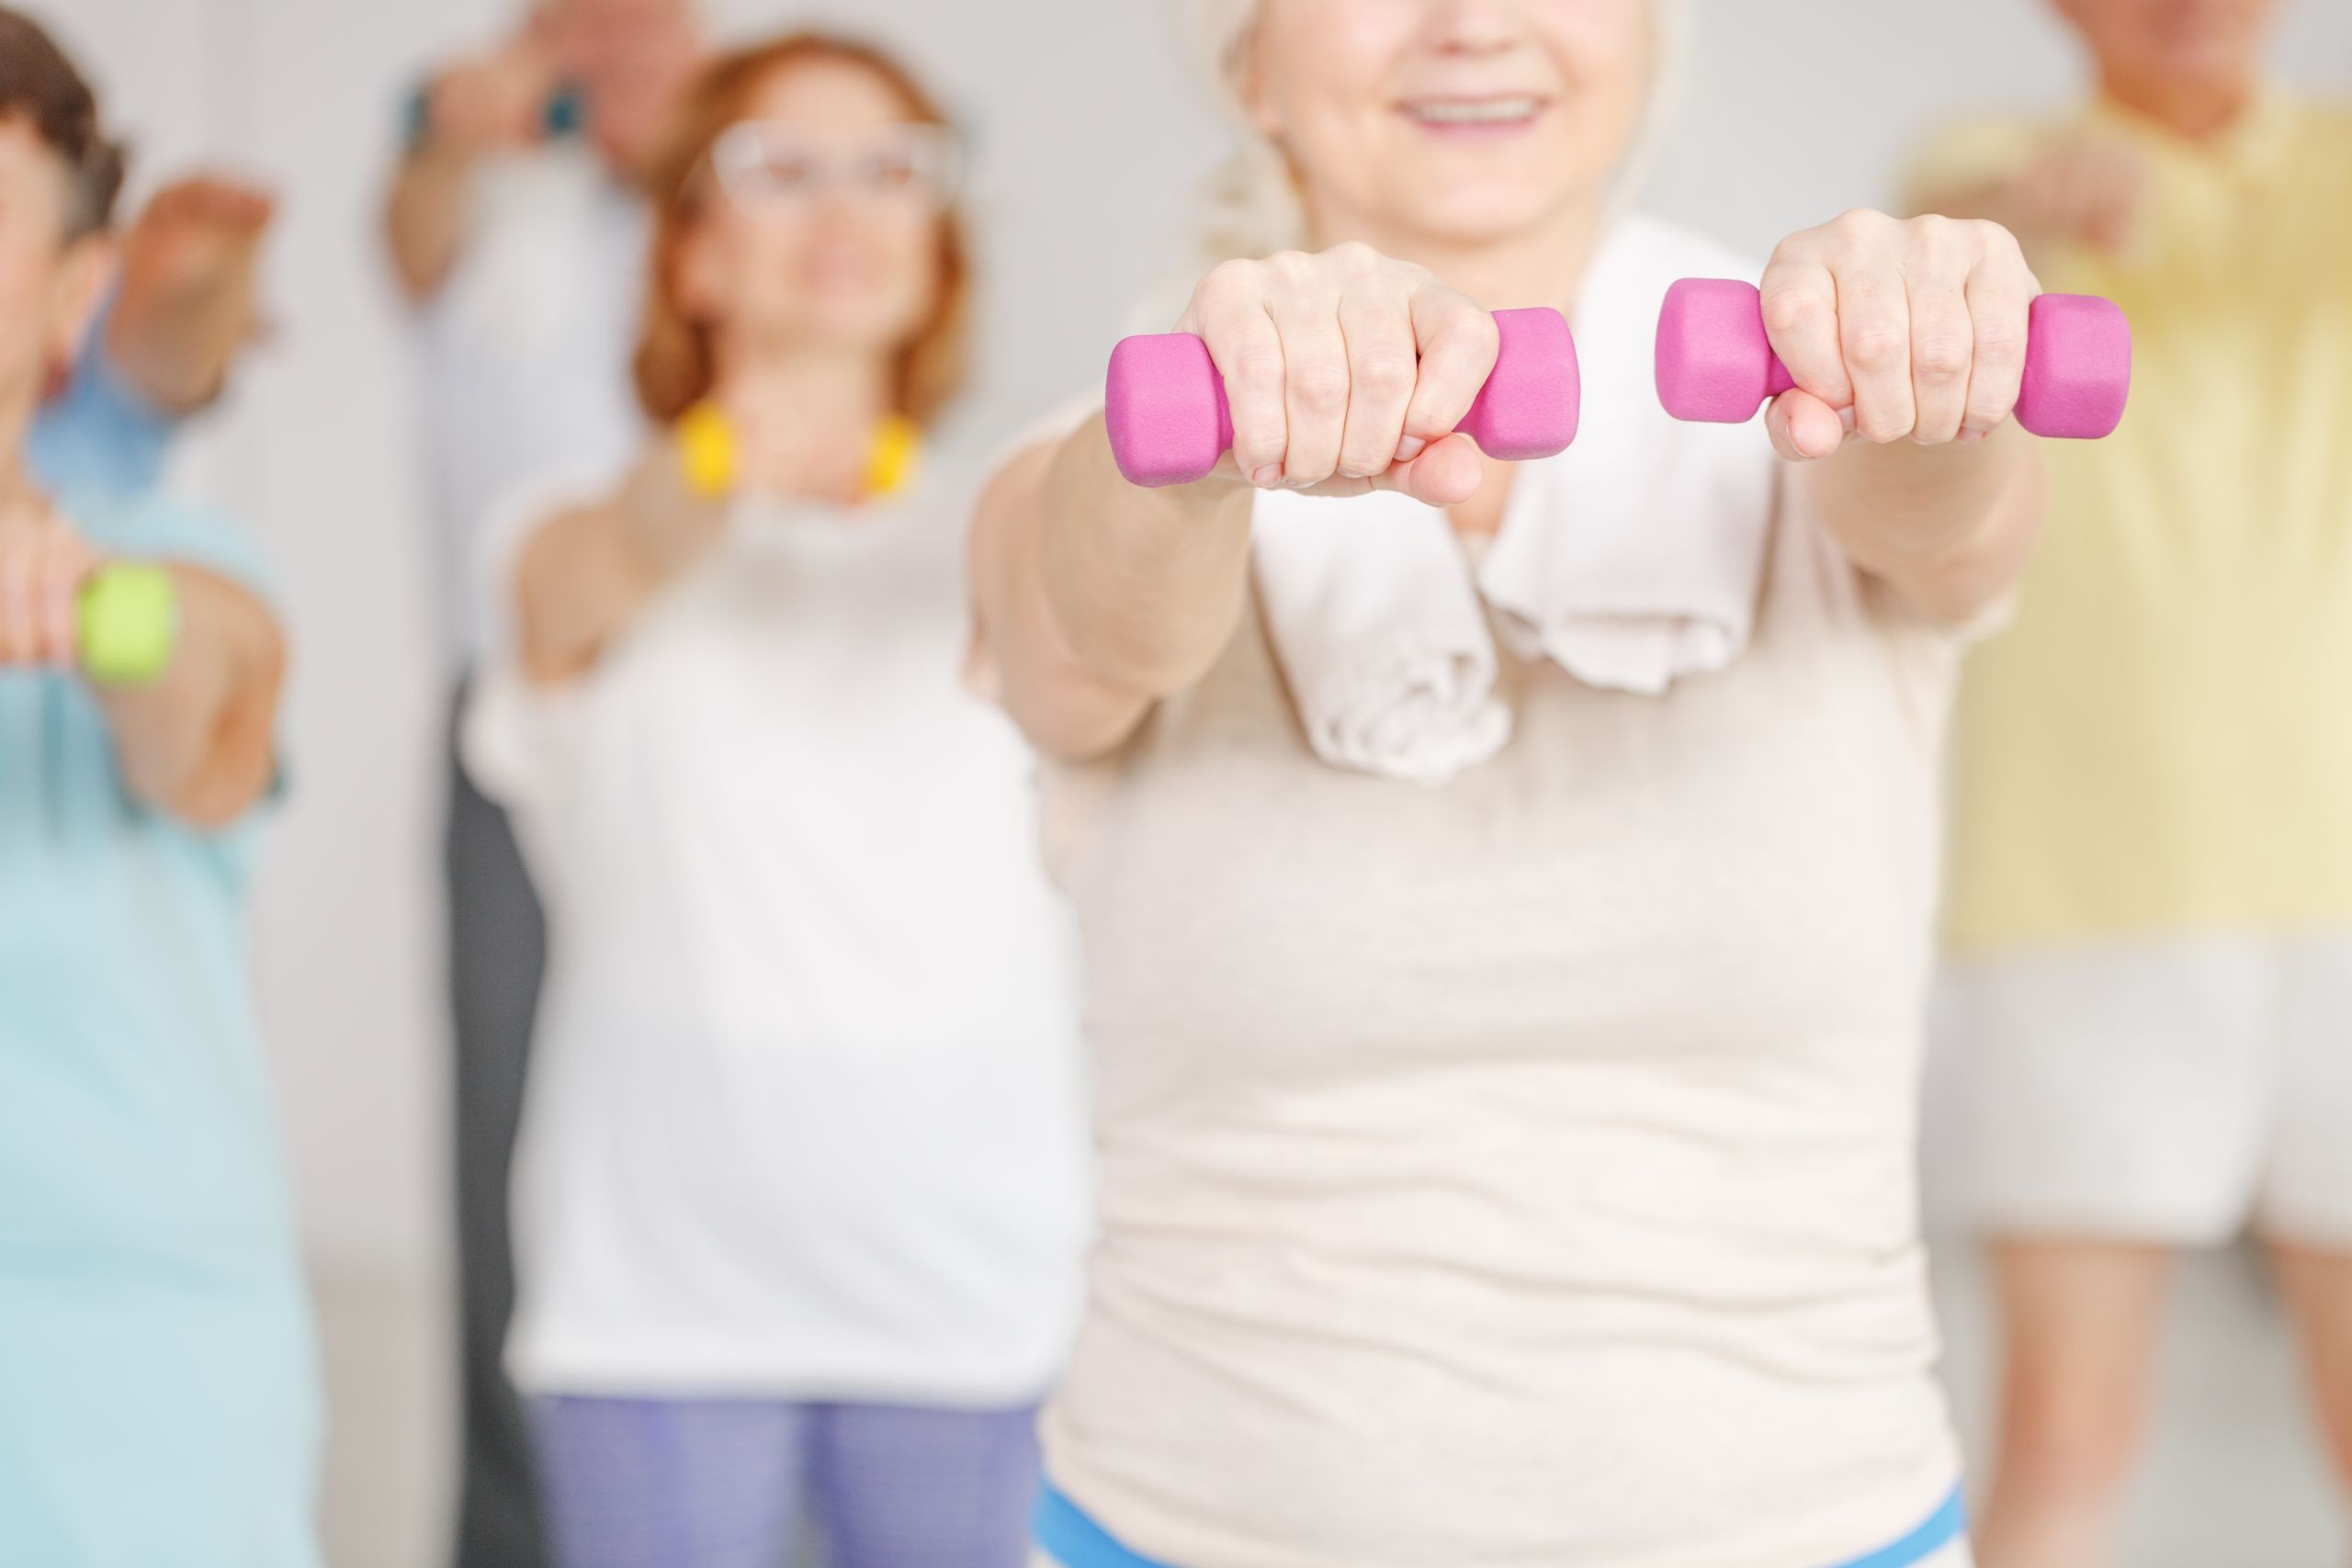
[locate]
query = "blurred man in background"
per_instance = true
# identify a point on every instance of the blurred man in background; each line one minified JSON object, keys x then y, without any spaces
{"x":2150,"y":1011}
{"x":517,"y":230}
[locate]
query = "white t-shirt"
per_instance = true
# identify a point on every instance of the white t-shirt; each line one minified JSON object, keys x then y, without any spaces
{"x":1519,"y":1173}
{"x":524,"y":353}
{"x":804,"y":1117}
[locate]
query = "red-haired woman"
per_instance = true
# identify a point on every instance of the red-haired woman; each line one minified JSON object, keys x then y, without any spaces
{"x":798,"y":1203}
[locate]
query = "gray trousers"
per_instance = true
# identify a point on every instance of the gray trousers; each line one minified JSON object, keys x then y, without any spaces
{"x":497,"y":955}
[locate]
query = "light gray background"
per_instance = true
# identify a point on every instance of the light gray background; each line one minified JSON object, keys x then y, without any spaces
{"x":1089,"y":139}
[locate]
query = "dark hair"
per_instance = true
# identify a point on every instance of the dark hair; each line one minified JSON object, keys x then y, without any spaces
{"x":39,"y":85}
{"x":674,"y":367}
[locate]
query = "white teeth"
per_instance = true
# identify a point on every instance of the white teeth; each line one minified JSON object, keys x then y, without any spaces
{"x":1484,"y":111}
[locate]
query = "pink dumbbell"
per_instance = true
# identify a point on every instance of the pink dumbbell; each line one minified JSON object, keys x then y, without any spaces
{"x":1714,"y":363}
{"x":1164,"y":401}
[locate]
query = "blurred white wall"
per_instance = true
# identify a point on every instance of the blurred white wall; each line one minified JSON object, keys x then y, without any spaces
{"x":1089,"y":139}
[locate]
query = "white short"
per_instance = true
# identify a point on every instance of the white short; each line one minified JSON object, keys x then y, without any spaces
{"x":2174,"y":1091}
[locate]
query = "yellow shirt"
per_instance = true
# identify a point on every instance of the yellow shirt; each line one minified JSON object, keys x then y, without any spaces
{"x":2163,"y":741}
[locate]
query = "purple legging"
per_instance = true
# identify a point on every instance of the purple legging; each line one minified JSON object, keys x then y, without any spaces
{"x":728,"y":1482}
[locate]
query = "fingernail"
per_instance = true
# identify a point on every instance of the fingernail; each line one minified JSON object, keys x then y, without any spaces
{"x":1267,"y":477}
{"x":1410,"y":448}
{"x":1846,"y":418}
{"x":1971,"y":437}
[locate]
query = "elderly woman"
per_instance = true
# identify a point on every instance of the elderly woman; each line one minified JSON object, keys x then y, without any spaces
{"x":1507,"y":892}
{"x":798,"y":1203}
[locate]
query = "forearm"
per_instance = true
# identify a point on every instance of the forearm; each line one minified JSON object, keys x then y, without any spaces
{"x":200,"y":741}
{"x":1143,"y":584}
{"x":1101,"y":598}
{"x":176,"y":355}
{"x":1949,"y":527}
{"x":424,"y":218}
{"x":579,"y":583}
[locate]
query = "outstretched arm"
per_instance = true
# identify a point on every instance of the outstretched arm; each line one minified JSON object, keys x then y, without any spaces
{"x":1907,"y":340}
{"x":1098,"y":598}
{"x":199,"y":741}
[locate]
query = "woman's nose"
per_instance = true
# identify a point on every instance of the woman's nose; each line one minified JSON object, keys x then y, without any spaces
{"x":1476,"y":27}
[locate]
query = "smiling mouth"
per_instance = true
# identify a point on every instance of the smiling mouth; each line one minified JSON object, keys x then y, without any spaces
{"x":1472,"y":113}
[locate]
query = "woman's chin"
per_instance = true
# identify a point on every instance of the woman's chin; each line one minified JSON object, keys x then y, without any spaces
{"x":856,"y":316}
{"x":877,"y":332}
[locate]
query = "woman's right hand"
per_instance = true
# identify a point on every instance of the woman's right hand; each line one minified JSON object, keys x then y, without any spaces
{"x":1345,"y":372}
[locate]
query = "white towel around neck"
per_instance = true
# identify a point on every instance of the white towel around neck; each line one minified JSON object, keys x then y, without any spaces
{"x":1632,"y":561}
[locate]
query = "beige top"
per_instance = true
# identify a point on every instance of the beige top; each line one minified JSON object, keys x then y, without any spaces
{"x":1518,"y":1172}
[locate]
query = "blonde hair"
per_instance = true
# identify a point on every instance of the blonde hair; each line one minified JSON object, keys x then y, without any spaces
{"x":1252,"y":205}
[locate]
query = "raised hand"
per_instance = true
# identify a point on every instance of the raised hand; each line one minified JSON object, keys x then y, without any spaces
{"x":186,"y":307}
{"x":494,"y":100}
{"x":2085,"y":189}
{"x":1345,"y":372}
{"x":1895,"y":330}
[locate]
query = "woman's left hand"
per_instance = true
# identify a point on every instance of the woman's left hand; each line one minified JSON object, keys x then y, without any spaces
{"x":1896,"y":329}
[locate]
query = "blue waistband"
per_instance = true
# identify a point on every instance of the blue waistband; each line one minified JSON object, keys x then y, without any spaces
{"x":1069,"y":1538}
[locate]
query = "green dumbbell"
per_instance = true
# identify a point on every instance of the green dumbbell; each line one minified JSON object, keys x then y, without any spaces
{"x":130,"y":622}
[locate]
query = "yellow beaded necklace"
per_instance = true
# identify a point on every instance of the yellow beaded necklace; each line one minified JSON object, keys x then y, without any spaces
{"x":711,"y":459}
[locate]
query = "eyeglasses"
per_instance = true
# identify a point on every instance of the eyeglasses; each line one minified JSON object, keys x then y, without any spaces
{"x":765,"y":166}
